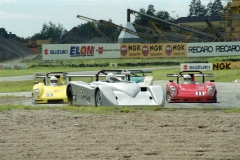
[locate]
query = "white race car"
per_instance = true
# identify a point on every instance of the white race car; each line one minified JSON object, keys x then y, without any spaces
{"x":116,"y":90}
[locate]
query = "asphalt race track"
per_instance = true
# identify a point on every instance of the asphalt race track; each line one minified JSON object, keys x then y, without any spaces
{"x":228,"y":96}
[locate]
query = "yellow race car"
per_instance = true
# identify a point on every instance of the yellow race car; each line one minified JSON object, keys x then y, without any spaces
{"x":52,"y":89}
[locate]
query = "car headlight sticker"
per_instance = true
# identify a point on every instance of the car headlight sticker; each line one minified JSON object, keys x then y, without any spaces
{"x":211,"y":90}
{"x":36,"y":91}
{"x":173,"y":91}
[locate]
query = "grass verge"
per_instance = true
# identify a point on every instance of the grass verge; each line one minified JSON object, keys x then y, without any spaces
{"x":110,"y":110}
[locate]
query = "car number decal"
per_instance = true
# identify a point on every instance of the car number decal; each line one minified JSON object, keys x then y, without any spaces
{"x":199,"y":93}
{"x":49,"y":95}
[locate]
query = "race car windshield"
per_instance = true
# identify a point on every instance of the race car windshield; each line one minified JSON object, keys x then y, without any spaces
{"x":53,"y":81}
{"x":113,"y":79}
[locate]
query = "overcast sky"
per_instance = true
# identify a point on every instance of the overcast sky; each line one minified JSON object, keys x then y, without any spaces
{"x":26,"y":17}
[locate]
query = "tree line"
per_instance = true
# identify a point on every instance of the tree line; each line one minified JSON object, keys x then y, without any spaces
{"x":196,"y":8}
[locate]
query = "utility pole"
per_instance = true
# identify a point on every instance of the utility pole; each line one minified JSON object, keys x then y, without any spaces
{"x":173,"y":14}
{"x":115,"y":35}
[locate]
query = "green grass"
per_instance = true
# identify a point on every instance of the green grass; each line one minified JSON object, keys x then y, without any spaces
{"x":110,"y":110}
{"x":61,"y":64}
{"x":21,"y":107}
{"x":232,"y":110}
{"x":18,"y":86}
{"x":6,"y":73}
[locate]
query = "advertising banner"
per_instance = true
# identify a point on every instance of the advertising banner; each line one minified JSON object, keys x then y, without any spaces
{"x":21,"y":66}
{"x":196,"y":66}
{"x":225,"y":65}
{"x":79,"y":51}
{"x":13,"y":66}
{"x":159,"y":50}
{"x":213,"y":49}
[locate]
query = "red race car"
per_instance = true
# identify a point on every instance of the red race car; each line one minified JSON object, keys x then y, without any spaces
{"x":189,"y":90}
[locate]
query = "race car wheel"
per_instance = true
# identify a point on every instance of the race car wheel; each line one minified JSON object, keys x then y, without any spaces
{"x":33,"y":99}
{"x":215,"y":98}
{"x":97,"y":98}
{"x":168,"y":97}
{"x":70,"y":96}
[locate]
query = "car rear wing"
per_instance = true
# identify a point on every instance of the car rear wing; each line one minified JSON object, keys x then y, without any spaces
{"x":203,"y":75}
{"x":49,"y":74}
{"x":134,"y":72}
{"x":91,"y":76}
{"x":195,"y":75}
{"x":45,"y":76}
{"x":173,"y":75}
{"x":39,"y":75}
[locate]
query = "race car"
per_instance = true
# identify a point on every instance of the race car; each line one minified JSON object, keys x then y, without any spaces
{"x":51,"y":89}
{"x":139,"y":76}
{"x":114,"y":90}
{"x":190,"y":90}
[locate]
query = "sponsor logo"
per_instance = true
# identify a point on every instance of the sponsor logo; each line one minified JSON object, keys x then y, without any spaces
{"x":155,"y":54}
{"x":226,"y":48}
{"x":196,"y":67}
{"x":100,"y":50}
{"x":45,"y":51}
{"x":155,"y":47}
{"x":168,"y":50}
{"x":58,"y":51}
{"x":78,"y":51}
{"x":134,"y":48}
{"x":179,"y":54}
{"x":199,"y":67}
{"x":185,"y":67}
{"x":145,"y":50}
{"x":123,"y":50}
{"x":221,"y":66}
{"x":178,"y":47}
{"x":200,"y":49}
{"x":134,"y":54}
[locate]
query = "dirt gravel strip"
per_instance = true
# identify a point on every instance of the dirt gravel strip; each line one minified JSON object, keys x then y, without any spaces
{"x":165,"y":134}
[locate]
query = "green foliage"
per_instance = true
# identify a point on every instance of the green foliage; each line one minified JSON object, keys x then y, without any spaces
{"x":196,"y":8}
{"x":50,"y":30}
{"x":164,"y":15}
{"x":146,"y":21}
{"x":214,"y":8}
{"x":91,"y":30}
{"x":4,"y":33}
